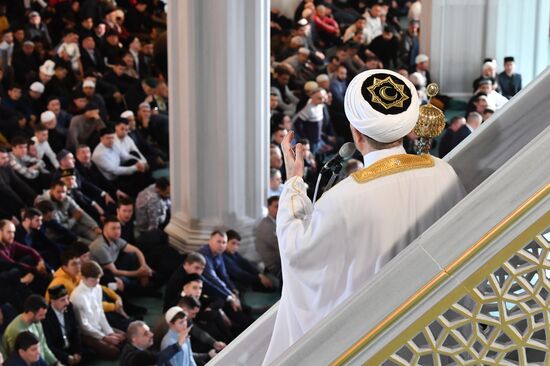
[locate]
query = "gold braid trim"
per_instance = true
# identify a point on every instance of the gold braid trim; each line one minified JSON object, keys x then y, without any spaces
{"x":392,"y":165}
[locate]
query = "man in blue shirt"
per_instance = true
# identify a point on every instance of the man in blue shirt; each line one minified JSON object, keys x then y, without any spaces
{"x":216,"y":279}
{"x":217,"y":283}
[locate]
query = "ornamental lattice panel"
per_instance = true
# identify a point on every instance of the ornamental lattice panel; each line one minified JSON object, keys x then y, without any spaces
{"x":504,"y":320}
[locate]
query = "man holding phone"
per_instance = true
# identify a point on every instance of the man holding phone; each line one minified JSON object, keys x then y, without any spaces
{"x":178,"y":333}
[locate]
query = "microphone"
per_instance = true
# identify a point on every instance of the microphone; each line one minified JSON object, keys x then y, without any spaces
{"x":345,"y":152}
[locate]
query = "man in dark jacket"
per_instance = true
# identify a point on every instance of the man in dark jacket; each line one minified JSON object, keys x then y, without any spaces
{"x":243,"y":273}
{"x":61,"y":327}
{"x":136,"y":352}
{"x":12,"y":188}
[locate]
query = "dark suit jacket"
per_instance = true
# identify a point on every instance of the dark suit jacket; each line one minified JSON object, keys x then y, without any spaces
{"x":132,"y":356}
{"x":509,"y":86}
{"x":14,"y":190}
{"x":446,"y":143}
{"x":97,"y":63}
{"x":54,"y":337}
{"x":460,"y":135}
{"x":93,"y":176}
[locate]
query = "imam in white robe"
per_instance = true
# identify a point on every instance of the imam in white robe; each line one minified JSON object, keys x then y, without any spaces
{"x":331,"y":251}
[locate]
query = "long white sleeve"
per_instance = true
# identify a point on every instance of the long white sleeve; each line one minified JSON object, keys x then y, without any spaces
{"x":89,"y":311}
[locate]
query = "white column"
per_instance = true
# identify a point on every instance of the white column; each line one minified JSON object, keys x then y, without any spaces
{"x":218,"y":68}
{"x":459,"y":34}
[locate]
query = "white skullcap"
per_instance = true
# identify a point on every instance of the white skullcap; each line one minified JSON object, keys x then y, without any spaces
{"x":47,"y":116}
{"x":37,"y":87}
{"x":421,"y":58}
{"x":127,"y":114}
{"x":321,"y":78}
{"x":172,"y":312}
{"x":487,"y":64}
{"x":88,"y":83}
{"x":48,"y":68}
{"x":382,"y":105}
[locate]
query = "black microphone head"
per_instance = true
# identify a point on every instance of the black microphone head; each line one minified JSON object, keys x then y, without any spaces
{"x":347,"y":150}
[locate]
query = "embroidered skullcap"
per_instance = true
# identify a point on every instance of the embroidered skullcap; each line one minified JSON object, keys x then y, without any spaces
{"x":382,"y":105}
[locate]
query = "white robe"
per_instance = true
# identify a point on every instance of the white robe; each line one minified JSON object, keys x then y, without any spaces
{"x":329,"y":252}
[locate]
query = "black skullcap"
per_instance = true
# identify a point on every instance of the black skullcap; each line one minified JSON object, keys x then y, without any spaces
{"x":91,"y":106}
{"x":57,"y":292}
{"x":111,"y":32}
{"x":190,"y":278}
{"x":106,"y":131}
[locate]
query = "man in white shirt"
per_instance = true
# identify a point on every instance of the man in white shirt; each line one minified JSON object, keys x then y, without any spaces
{"x":495,"y":100}
{"x":6,"y":47}
{"x":125,"y":142}
{"x":40,"y":139}
{"x":125,"y":171}
{"x":332,"y":250}
{"x":96,"y":331}
{"x":374,"y":23}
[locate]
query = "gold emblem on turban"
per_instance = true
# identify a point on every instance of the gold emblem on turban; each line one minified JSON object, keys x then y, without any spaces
{"x":388,"y":93}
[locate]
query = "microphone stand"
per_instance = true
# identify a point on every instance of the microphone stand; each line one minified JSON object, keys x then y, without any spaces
{"x":331,"y":181}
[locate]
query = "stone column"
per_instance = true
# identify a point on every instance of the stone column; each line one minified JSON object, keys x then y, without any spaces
{"x":218,"y":67}
{"x":459,"y":34}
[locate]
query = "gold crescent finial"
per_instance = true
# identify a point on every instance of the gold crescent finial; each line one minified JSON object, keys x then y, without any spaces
{"x":432,"y":90}
{"x":431,"y":122}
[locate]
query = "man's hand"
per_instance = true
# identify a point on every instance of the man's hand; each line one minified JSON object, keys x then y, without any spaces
{"x":41,"y":267}
{"x":108,"y":199}
{"x":235,"y":304}
{"x":120,"y":309}
{"x":74,"y":359}
{"x":77,"y":215}
{"x":99,"y":209}
{"x":27,"y":279}
{"x":212,"y":353}
{"x":266,"y":281}
{"x":294,"y":162}
{"x":145,"y":271}
{"x":97,"y":230}
{"x":225,"y":319}
{"x":120,"y":194}
{"x":141,"y":166}
{"x":112,"y":339}
{"x":182,"y":336}
{"x":218,"y":346}
{"x":119,"y":284}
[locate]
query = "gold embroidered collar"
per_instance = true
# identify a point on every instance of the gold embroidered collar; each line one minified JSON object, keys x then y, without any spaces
{"x":392,"y":165}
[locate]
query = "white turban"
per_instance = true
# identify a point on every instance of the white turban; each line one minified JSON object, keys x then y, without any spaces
{"x":47,"y":116}
{"x":127,"y":114}
{"x":382,"y":105}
